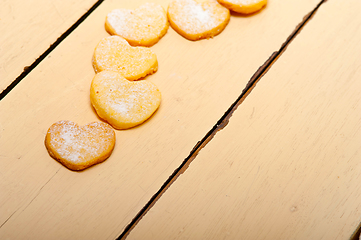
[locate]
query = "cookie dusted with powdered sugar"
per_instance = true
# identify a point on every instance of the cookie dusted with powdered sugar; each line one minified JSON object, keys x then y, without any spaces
{"x":143,"y":26}
{"x":122,"y":103}
{"x":79,"y":147}
{"x":114,"y":53}
{"x":194,"y":20}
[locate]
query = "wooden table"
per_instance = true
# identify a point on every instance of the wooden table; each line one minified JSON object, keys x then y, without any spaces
{"x":258,"y":135}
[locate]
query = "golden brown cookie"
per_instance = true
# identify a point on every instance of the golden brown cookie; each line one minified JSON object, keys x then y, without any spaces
{"x":115,"y":54}
{"x":122,"y":103}
{"x":143,"y":26}
{"x":80,"y":147}
{"x":244,"y":6}
{"x":194,"y":20}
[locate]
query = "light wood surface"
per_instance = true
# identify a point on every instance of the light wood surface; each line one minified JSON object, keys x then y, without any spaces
{"x":199,"y":80}
{"x":40,"y":199}
{"x":287,"y":166}
{"x":28,"y":28}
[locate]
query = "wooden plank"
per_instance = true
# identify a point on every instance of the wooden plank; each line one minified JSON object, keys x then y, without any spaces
{"x":198,"y":81}
{"x":287,"y":166}
{"x":28,"y":28}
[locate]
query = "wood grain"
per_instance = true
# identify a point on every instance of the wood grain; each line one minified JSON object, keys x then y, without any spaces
{"x":28,"y":28}
{"x":198,"y":80}
{"x":287,"y":166}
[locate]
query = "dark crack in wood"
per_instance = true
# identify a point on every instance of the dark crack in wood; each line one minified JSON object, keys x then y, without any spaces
{"x":221,"y":123}
{"x":28,"y":69}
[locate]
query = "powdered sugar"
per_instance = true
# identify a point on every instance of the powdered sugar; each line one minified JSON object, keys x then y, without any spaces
{"x":142,"y":26}
{"x":121,"y":102}
{"x":78,"y":144}
{"x":195,"y":18}
{"x":127,"y":100}
{"x":115,"y":54}
{"x":198,"y":13}
{"x":121,"y":107}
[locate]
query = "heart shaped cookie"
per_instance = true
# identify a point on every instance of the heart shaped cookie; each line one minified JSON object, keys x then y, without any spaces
{"x":122,"y":103}
{"x":79,"y":147}
{"x":194,"y":20}
{"x":244,"y":6}
{"x":143,"y":26}
{"x":115,"y":54}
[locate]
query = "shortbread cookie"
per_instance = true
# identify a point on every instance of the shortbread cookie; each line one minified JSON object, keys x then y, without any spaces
{"x":244,"y":6}
{"x":79,"y":147}
{"x":115,"y":54}
{"x":143,"y":26}
{"x":194,"y":20}
{"x":122,"y":103}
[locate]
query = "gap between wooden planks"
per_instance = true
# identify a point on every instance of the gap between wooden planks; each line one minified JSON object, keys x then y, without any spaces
{"x":292,"y":166}
{"x":28,"y":29}
{"x":222,"y":123}
{"x":44,"y":199}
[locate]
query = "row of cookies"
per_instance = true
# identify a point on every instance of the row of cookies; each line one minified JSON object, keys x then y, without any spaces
{"x":117,"y":99}
{"x":121,"y":59}
{"x":148,"y":23}
{"x":126,"y":56}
